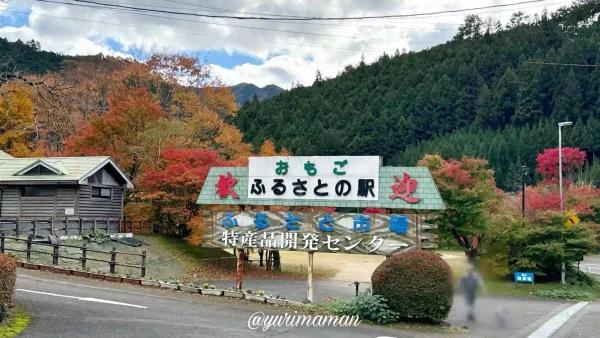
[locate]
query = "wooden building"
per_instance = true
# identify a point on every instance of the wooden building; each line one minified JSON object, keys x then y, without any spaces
{"x":60,"y":187}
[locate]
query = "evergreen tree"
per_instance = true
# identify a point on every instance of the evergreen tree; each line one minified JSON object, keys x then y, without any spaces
{"x":485,"y":108}
{"x":505,"y":98}
{"x":529,"y":99}
{"x":567,"y":100}
{"x":593,"y":91}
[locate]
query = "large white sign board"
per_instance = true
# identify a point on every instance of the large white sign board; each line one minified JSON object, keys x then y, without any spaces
{"x":352,"y":178}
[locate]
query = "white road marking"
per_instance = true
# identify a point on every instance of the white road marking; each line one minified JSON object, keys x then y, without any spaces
{"x":554,"y":323}
{"x":96,"y":300}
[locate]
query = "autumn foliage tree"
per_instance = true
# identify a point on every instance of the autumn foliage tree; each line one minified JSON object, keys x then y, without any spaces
{"x":470,"y":194}
{"x":117,"y":133}
{"x":18,"y":131}
{"x":173,"y":186}
{"x":572,"y":158}
{"x":577,"y":198}
{"x":141,"y":109}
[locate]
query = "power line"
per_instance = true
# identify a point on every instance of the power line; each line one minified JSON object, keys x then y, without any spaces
{"x":194,"y":33}
{"x":216,"y":9}
{"x":224,"y":24}
{"x":304,"y":19}
{"x":304,"y":22}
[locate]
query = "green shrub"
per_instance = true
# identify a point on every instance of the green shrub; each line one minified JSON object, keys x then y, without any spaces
{"x":417,"y":285}
{"x":564,"y":294}
{"x":98,"y":237}
{"x":542,"y":244}
{"x":8,"y":276}
{"x":366,"y":306}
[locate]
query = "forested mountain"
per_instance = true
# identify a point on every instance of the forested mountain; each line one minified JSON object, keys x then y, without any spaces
{"x":513,"y":147}
{"x":486,"y":79}
{"x":246,"y":91}
{"x":27,"y":57}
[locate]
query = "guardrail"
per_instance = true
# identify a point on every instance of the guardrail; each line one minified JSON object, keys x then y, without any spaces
{"x":83,"y":259}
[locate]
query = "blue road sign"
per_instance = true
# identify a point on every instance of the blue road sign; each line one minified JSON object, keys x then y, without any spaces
{"x":523,"y":277}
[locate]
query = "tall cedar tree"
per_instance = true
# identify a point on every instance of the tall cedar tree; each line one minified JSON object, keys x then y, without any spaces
{"x":529,"y":99}
{"x":567,"y":100}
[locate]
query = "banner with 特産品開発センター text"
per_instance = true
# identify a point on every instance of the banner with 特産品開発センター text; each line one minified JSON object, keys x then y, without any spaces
{"x":349,"y":233}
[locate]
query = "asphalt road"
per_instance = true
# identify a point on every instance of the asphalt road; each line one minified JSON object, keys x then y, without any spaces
{"x":591,"y":265}
{"x":62,"y":306}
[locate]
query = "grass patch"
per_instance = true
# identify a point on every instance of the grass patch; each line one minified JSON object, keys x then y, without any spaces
{"x":188,"y":251}
{"x":15,"y":324}
{"x":217,"y":264}
{"x":584,"y":288}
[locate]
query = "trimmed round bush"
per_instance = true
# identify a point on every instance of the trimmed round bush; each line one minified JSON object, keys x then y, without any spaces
{"x":8,"y":277}
{"x":416,"y":284}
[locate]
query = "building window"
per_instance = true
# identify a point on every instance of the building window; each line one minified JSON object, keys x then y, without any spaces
{"x":101,"y":192}
{"x":38,"y":191}
{"x":40,"y":170}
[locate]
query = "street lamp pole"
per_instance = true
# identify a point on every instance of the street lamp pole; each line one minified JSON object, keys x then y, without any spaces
{"x":560,"y":125}
{"x":523,"y":174}
{"x":560,"y":188}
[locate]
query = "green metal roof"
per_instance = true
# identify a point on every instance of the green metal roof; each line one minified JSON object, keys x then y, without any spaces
{"x":68,"y":169}
{"x":426,"y":190}
{"x":4,"y":155}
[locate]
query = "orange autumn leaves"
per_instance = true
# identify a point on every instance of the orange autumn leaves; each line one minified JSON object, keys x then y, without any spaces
{"x":166,"y":123}
{"x":17,"y":121}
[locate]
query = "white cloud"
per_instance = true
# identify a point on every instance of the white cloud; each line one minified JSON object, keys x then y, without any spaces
{"x":328,"y":46}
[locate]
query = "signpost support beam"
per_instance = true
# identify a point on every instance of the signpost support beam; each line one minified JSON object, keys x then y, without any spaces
{"x":240,"y":268}
{"x":310,"y":277}
{"x":418,"y":243}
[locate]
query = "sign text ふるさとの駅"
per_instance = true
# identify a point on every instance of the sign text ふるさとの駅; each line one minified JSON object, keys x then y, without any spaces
{"x":322,"y":178}
{"x":316,"y":232}
{"x":332,"y":181}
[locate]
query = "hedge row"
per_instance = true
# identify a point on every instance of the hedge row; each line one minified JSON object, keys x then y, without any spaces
{"x":8,"y":277}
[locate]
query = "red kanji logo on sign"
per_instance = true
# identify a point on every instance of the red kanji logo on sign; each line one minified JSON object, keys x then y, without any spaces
{"x":225,"y":186}
{"x":403,"y":189}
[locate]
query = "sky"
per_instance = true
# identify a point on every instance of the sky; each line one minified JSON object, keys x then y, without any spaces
{"x":251,"y":51}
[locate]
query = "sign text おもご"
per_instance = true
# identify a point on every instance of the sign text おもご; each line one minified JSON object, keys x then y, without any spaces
{"x":351,"y":178}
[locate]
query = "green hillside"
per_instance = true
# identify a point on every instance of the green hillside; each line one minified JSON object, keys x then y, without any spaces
{"x":483,"y":80}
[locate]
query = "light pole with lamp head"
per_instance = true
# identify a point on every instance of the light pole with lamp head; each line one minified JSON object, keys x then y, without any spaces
{"x":560,"y":125}
{"x":560,"y":189}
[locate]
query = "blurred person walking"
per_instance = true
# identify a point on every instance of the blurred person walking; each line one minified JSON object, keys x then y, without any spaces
{"x":469,"y":283}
